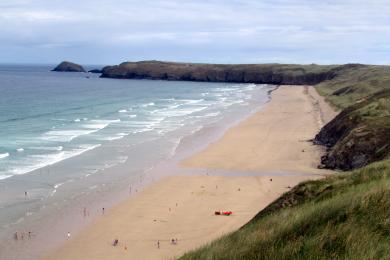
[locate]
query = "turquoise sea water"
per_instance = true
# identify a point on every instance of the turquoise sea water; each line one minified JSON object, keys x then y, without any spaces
{"x":71,"y":140}
{"x":47,"y":117}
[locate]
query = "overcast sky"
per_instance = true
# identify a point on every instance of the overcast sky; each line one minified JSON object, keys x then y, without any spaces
{"x":231,"y":31}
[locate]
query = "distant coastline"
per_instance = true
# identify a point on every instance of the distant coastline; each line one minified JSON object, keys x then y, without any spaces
{"x":285,"y":74}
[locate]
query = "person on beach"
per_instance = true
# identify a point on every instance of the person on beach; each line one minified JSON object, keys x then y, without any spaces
{"x":158,"y":244}
{"x":68,"y":235}
{"x":115,"y":243}
{"x":25,"y":194}
{"x":103,"y":211}
{"x":16,"y":235}
{"x":85,"y":212}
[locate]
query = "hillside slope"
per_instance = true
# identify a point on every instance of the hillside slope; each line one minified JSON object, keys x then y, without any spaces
{"x":359,"y":135}
{"x":344,"y":216}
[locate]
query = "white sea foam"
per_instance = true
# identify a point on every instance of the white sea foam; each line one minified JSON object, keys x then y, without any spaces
{"x":2,"y":177}
{"x":3,"y":155}
{"x":59,"y":184}
{"x":77,"y":120}
{"x":68,"y":135}
{"x":148,"y":104}
{"x":122,"y":111}
{"x":47,"y":148}
{"x":39,"y":161}
{"x":20,"y":149}
{"x":111,"y":138}
{"x":100,"y":124}
{"x":142,"y":130}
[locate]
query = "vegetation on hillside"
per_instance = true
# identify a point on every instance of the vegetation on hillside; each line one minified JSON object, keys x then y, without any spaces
{"x":353,"y":83}
{"x":344,"y":216}
{"x":242,"y":73}
{"x":359,"y":135}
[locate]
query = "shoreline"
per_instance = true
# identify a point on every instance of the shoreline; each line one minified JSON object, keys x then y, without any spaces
{"x":51,"y":224}
{"x":197,"y":190}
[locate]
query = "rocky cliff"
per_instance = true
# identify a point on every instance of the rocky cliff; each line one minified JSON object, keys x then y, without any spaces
{"x":243,"y":73}
{"x":359,"y":135}
{"x":67,"y":66}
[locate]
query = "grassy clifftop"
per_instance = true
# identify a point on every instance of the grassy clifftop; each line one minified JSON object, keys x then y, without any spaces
{"x":360,"y":134}
{"x":354,"y":82}
{"x":343,"y":216}
{"x":243,"y":73}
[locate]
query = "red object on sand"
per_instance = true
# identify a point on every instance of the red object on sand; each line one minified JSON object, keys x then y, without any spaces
{"x":225,"y":213}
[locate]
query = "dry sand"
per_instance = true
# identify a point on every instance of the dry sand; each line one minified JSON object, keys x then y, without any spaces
{"x":275,"y":139}
{"x":183,"y":207}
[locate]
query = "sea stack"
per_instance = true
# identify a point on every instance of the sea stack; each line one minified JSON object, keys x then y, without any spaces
{"x":67,"y":66}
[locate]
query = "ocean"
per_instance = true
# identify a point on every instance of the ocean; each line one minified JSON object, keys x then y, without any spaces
{"x":67,"y":137}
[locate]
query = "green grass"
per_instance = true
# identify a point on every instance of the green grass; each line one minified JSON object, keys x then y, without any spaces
{"x":354,"y":83}
{"x":345,"y":216}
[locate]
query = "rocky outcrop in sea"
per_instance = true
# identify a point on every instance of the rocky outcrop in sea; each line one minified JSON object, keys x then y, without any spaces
{"x":67,"y":66}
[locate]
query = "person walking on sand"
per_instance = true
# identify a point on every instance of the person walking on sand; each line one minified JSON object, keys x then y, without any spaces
{"x":158,"y":244}
{"x":16,"y":235}
{"x":103,"y":211}
{"x":68,"y":235}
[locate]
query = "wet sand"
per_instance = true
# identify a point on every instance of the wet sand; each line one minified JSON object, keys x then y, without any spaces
{"x":273,"y":140}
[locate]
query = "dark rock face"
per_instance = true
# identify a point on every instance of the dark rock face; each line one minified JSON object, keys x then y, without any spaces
{"x":243,"y":73}
{"x":359,"y":135}
{"x":95,"y":71}
{"x":67,"y":66}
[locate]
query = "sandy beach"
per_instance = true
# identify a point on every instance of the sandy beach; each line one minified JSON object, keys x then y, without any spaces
{"x":273,"y":140}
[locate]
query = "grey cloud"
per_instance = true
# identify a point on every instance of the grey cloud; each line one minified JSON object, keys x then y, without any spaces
{"x":213,"y":31}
